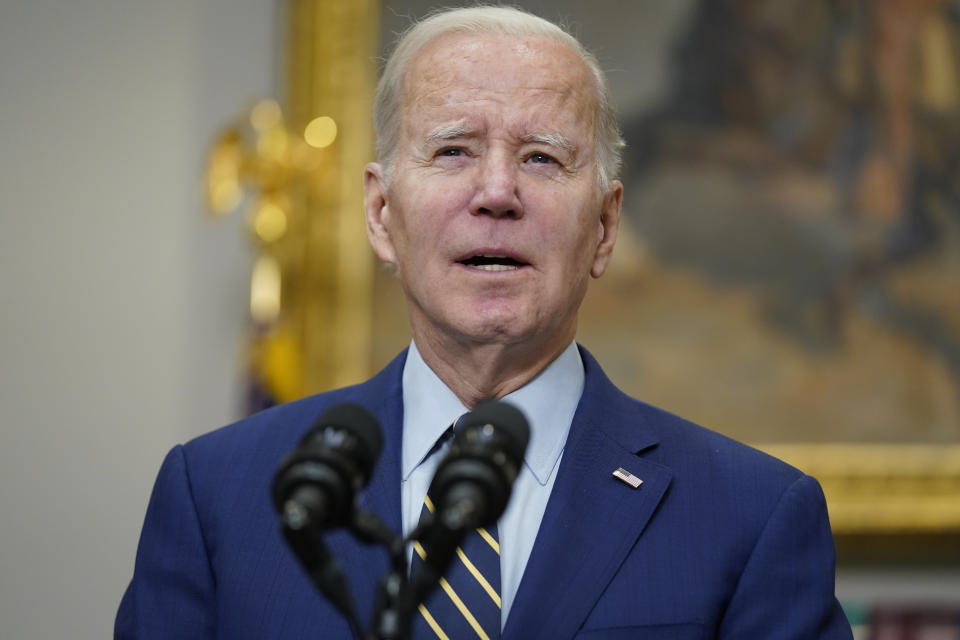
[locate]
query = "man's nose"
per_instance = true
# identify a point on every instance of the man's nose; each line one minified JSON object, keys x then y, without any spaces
{"x":497,"y":191}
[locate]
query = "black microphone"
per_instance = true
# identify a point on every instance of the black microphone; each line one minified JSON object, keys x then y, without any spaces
{"x":471,"y":486}
{"x":314,"y":490}
{"x":317,"y":483}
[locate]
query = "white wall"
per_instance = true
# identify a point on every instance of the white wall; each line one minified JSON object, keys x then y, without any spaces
{"x":122,"y":307}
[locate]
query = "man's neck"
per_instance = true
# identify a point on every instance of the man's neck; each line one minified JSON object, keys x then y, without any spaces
{"x":481,"y":371}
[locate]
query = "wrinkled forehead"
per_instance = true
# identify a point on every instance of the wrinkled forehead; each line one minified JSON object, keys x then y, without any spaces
{"x":456,"y":68}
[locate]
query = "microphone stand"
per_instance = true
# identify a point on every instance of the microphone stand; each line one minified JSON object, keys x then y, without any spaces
{"x":394,"y":606}
{"x":398,"y":596}
{"x":391,"y":616}
{"x":304,"y":537}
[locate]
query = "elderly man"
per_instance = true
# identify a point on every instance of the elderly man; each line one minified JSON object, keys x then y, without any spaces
{"x":495,"y":199}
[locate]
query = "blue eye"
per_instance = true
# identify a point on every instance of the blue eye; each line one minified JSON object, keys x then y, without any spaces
{"x":540,"y":158}
{"x":451,"y":153}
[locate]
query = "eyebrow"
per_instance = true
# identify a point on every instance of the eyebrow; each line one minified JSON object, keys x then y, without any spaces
{"x":446,"y":132}
{"x":552,"y":139}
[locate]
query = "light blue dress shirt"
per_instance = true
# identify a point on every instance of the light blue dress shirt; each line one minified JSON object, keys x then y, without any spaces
{"x":548,"y":401}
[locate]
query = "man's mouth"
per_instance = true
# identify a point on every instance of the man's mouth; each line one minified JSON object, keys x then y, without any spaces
{"x":492,"y":262}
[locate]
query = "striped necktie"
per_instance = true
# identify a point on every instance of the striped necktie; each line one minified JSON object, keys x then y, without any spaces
{"x":466,"y":603}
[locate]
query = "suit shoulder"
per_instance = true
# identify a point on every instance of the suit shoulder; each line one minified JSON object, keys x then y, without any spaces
{"x":285,"y":421}
{"x":674,"y":441}
{"x":700,"y":459}
{"x":696,"y":438}
{"x":281,"y":427}
{"x":683,"y":440}
{"x":715,"y":476}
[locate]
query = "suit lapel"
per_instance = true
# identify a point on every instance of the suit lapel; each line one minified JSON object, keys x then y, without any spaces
{"x":383,"y":395}
{"x":592,"y":519}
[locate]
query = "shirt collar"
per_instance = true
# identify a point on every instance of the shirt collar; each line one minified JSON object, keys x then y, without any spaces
{"x":548,"y":401}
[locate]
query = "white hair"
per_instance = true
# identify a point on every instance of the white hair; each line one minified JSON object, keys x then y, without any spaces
{"x":509,"y":21}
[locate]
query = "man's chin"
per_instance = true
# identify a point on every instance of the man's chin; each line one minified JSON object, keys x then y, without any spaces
{"x":492,"y":332}
{"x":485,"y":322}
{"x":480,"y":329}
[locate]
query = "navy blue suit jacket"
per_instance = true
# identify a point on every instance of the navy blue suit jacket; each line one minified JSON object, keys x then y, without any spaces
{"x":720,"y":540}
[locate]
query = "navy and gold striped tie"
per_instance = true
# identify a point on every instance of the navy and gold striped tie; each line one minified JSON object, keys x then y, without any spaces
{"x":466,"y":603}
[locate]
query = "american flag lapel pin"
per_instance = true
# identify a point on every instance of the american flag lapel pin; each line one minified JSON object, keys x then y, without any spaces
{"x":627,"y":477}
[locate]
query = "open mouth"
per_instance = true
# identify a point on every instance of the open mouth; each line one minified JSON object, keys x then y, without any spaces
{"x":492,"y":262}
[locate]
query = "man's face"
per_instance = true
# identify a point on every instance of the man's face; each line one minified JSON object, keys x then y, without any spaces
{"x":494,"y":215}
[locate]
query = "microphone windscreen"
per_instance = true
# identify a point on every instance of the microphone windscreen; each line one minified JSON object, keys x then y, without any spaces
{"x":360,"y":423}
{"x":505,"y":417}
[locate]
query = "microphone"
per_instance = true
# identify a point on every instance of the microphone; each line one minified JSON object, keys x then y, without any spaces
{"x":314,"y":491}
{"x":316,"y":484}
{"x":471,"y":486}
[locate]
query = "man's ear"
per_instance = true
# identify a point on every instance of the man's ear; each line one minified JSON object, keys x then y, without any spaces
{"x":377,"y":212}
{"x":608,"y":225}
